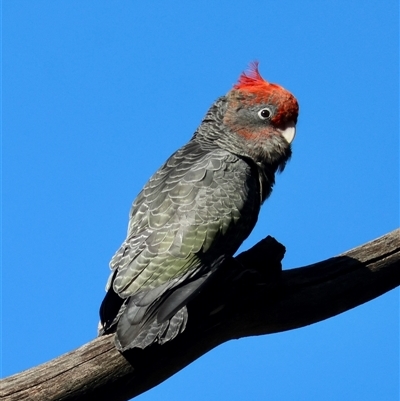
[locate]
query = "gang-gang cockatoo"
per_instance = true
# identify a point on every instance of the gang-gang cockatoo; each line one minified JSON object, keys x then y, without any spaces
{"x":196,"y":210}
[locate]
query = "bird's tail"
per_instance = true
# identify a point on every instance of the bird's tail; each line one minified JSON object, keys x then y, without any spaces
{"x":140,"y":336}
{"x":156,"y":315}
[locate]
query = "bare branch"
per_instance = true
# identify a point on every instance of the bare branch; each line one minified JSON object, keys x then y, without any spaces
{"x":250,"y":296}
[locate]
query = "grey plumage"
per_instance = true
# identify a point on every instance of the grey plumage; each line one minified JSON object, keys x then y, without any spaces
{"x":197,"y":208}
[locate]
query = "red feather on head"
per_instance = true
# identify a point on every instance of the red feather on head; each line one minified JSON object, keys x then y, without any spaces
{"x":251,"y":80}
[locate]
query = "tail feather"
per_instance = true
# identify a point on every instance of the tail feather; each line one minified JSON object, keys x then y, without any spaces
{"x":156,"y":315}
{"x":142,"y":335}
{"x":177,"y":324}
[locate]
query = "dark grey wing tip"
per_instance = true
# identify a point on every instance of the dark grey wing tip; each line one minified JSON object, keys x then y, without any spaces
{"x":182,"y":294}
{"x":110,"y":308}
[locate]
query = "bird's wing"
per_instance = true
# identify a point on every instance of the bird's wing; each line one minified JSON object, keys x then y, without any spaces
{"x":184,"y":216}
{"x":197,"y":207}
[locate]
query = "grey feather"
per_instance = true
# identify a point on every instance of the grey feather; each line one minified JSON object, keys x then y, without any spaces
{"x":200,"y":205}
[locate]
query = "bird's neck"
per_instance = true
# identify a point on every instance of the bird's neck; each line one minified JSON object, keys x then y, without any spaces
{"x":209,"y":137}
{"x":213,"y":133}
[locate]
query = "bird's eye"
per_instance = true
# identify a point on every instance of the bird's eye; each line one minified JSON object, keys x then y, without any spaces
{"x":265,"y":113}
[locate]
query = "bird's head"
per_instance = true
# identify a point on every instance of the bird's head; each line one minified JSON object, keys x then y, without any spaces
{"x":262,"y":117}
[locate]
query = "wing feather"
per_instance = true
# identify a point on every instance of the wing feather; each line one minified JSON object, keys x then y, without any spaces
{"x":185,"y":218}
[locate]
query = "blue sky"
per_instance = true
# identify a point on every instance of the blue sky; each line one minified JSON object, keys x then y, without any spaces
{"x":97,"y":94}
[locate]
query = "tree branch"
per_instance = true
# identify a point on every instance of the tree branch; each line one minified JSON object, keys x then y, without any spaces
{"x":250,"y":296}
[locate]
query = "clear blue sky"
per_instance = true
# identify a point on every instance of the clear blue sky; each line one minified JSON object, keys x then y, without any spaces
{"x":97,"y":94}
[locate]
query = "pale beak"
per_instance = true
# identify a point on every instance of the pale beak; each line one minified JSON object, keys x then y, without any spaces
{"x":289,"y":132}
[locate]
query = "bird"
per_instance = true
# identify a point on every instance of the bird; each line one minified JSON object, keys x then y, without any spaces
{"x":196,"y":211}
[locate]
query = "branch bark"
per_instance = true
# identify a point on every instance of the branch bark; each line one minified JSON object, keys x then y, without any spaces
{"x":250,"y":296}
